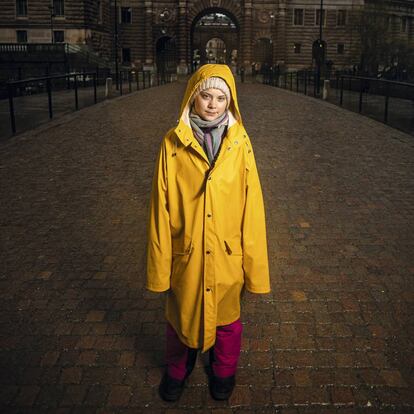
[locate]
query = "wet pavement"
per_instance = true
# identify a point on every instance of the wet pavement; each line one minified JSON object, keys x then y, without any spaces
{"x":78,"y":331}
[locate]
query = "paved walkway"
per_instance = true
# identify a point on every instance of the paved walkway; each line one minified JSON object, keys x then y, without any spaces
{"x":78,"y":332}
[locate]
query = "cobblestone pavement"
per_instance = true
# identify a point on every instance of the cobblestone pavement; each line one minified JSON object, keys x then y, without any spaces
{"x":78,"y":332}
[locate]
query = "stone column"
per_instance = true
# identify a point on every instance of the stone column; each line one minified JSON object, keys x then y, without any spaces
{"x":182,"y":38}
{"x":149,"y":47}
{"x":246,"y":36}
{"x":280,"y":52}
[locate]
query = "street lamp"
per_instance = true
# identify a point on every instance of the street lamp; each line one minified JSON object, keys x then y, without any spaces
{"x":116,"y":45}
{"x":321,"y":60}
{"x":272,"y":25}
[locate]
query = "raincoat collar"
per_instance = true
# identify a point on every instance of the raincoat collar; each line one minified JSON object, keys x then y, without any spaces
{"x":183,"y":129}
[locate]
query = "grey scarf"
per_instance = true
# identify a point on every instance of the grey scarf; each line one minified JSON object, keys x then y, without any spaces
{"x":209,"y":133}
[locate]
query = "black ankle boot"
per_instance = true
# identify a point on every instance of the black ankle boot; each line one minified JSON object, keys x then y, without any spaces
{"x":170,"y":389}
{"x":222,"y":388}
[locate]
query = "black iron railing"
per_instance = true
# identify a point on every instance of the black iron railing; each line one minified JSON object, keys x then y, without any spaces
{"x":52,"y":84}
{"x":378,"y":98}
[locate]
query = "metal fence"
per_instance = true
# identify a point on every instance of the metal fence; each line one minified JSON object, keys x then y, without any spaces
{"x":68,"y":92}
{"x":387,"y":101}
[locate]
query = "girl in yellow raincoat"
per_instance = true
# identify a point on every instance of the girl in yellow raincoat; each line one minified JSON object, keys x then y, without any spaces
{"x":206,"y":233}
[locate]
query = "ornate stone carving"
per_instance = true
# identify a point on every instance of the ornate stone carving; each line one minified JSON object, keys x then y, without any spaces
{"x":215,"y":3}
{"x":263,"y":16}
{"x":165,"y":15}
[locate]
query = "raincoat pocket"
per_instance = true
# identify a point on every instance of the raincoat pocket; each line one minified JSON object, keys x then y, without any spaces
{"x":233,"y":247}
{"x":181,"y":254}
{"x":182,"y":247}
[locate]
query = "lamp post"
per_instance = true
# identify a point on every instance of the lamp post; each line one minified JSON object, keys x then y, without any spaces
{"x":116,"y":45}
{"x":272,"y":28}
{"x":161,"y":54}
{"x":322,"y":55}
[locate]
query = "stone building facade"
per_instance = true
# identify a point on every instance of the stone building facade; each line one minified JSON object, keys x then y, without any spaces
{"x":178,"y":35}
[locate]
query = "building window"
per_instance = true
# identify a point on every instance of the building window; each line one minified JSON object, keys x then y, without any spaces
{"x":21,"y":36}
{"x":21,"y":7}
{"x":340,"y":48}
{"x":58,"y":36}
{"x":126,"y":15}
{"x":100,"y":12}
{"x":318,"y":17}
{"x":58,"y":7}
{"x":126,"y":55}
{"x":341,"y":18}
{"x":387,"y":23}
{"x":297,"y":47}
{"x":298,"y":17}
{"x":404,"y":24}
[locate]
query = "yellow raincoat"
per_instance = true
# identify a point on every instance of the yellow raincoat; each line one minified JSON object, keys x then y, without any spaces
{"x":206,"y":233}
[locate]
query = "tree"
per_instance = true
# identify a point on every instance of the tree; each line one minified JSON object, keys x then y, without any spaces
{"x":402,"y":59}
{"x":370,"y":24}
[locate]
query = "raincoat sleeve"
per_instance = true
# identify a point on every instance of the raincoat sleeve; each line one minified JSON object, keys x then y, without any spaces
{"x":159,"y":254}
{"x":255,"y":260}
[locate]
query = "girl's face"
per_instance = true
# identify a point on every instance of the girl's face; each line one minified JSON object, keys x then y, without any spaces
{"x":210,"y":104}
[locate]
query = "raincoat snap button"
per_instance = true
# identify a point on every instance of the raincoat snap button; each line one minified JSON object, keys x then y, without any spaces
{"x":208,"y":289}
{"x":208,"y":252}
{"x":208,"y":215}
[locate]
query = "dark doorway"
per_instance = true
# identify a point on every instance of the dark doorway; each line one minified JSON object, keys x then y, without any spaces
{"x":263,"y":54}
{"x":166,"y":55}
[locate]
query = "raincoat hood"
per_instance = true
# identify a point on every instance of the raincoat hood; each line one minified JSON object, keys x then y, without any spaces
{"x":205,"y":72}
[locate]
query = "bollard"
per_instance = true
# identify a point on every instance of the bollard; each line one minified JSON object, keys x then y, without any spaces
{"x":11,"y":108}
{"x":326,"y":89}
{"x":75,"y":85}
{"x":108,"y":88}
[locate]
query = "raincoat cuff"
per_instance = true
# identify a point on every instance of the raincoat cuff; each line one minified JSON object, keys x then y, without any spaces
{"x":258,"y":290}
{"x":157,"y":288}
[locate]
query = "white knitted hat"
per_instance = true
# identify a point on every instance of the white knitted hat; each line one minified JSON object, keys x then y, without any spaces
{"x":216,"y":83}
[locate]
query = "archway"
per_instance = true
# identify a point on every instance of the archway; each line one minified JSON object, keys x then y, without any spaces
{"x":216,"y":51}
{"x":214,"y":38}
{"x":166,"y":55}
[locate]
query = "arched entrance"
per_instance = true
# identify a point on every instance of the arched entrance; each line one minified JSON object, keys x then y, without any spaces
{"x":216,"y":51}
{"x":214,"y":39}
{"x":166,"y":55}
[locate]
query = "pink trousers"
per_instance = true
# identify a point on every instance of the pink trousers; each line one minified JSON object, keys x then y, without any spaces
{"x":224,"y":355}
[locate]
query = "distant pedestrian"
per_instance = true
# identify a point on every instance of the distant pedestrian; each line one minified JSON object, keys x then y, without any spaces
{"x":207,"y":235}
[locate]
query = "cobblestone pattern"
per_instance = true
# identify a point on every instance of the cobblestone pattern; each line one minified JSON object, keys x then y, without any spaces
{"x":78,"y":332}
